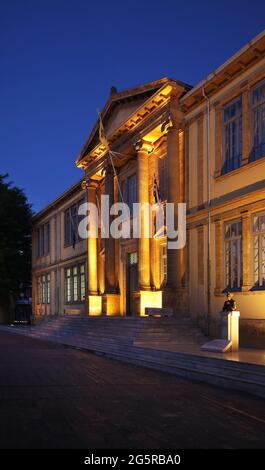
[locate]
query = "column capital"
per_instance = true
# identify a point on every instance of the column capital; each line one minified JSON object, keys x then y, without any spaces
{"x":245,"y":215}
{"x":142,"y":145}
{"x":89,"y":184}
{"x":171,"y":125}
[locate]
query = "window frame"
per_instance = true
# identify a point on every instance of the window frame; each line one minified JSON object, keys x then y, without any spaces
{"x":163,"y":263}
{"x":253,"y":107}
{"x":68,"y":227}
{"x":259,"y":234}
{"x":43,"y":240}
{"x":132,"y":177}
{"x":225,"y":169}
{"x":163,"y":186}
{"x":44,"y":289}
{"x":76,"y":295}
{"x":240,"y":264}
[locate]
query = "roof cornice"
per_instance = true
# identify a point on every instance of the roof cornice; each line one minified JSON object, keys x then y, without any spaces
{"x":246,"y":57}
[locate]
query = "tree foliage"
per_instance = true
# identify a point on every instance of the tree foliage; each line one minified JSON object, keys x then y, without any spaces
{"x":15,"y":238}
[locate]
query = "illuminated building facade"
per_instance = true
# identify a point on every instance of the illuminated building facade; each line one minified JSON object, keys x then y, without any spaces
{"x":59,"y":258}
{"x":204,"y":146}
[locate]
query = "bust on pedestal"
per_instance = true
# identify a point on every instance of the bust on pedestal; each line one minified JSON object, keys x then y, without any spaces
{"x":229,"y":341}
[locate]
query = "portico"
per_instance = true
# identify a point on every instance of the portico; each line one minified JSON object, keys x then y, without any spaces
{"x":143,"y":126}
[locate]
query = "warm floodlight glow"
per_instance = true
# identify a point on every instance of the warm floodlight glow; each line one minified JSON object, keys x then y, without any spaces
{"x":94,"y":305}
{"x":151,"y":299}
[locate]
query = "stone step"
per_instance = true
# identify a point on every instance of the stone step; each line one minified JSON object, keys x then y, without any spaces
{"x":226,"y":373}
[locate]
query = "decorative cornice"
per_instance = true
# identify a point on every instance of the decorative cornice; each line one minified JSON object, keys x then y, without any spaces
{"x":150,"y":108}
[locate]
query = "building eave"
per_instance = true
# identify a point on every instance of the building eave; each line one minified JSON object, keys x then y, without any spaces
{"x":56,"y":202}
{"x":251,"y":53}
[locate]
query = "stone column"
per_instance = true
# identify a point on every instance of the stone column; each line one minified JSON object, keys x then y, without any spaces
{"x":175,"y":292}
{"x":94,"y":300}
{"x":175,"y":195}
{"x":111,"y":300}
{"x":246,"y":251}
{"x":110,"y":284}
{"x":143,"y":148}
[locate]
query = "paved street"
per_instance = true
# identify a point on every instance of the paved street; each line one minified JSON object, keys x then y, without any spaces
{"x":57,"y":397}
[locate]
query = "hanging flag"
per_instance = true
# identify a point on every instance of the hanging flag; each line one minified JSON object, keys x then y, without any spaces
{"x":104,"y":141}
{"x":156,"y":191}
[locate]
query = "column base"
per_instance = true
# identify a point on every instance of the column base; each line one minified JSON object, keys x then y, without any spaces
{"x":146,"y":298}
{"x":94,"y":305}
{"x":111,"y":304}
{"x":177,"y":300}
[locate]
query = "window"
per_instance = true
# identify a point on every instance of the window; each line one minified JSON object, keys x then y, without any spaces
{"x":233,"y":255}
{"x":68,"y":282}
{"x":133,"y":259}
{"x":44,"y":289}
{"x":163,"y":264}
{"x":258,"y":229}
{"x":131,"y":192}
{"x":71,"y":222}
{"x":48,"y":287}
{"x":43,"y":240}
{"x":39,"y":290}
{"x":82,"y":282}
{"x":232,"y":121}
{"x":75,"y":284}
{"x":258,"y":131}
{"x":163,"y":178}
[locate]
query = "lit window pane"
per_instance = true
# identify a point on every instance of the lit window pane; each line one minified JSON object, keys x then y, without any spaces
{"x":232,"y":135}
{"x":258,"y":130}
{"x":133,"y":258}
{"x":233,"y":255}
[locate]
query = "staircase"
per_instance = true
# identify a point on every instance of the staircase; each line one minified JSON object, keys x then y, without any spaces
{"x":166,"y":344}
{"x":105,"y":334}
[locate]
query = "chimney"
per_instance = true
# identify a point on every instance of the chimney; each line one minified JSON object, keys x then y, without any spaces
{"x":113,"y":91}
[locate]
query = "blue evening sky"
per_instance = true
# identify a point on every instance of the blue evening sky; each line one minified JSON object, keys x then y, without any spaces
{"x":58,"y":60}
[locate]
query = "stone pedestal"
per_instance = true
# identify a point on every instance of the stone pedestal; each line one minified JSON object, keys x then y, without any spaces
{"x":229,"y":334}
{"x":111,"y":304}
{"x":94,"y":305}
{"x":230,"y":328}
{"x":176,"y":299}
{"x":234,"y":330}
{"x":146,"y":298}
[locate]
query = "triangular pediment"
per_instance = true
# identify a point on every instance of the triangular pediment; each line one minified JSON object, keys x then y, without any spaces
{"x":118,"y":109}
{"x":120,"y":114}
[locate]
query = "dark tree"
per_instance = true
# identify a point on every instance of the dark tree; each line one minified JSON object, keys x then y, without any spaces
{"x":15,"y":244}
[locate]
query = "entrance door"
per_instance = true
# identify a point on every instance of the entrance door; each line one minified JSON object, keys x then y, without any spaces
{"x":131,"y":281}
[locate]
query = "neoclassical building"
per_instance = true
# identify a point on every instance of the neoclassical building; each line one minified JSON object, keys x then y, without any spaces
{"x":204,"y":146}
{"x":59,"y":257}
{"x":144,"y":126}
